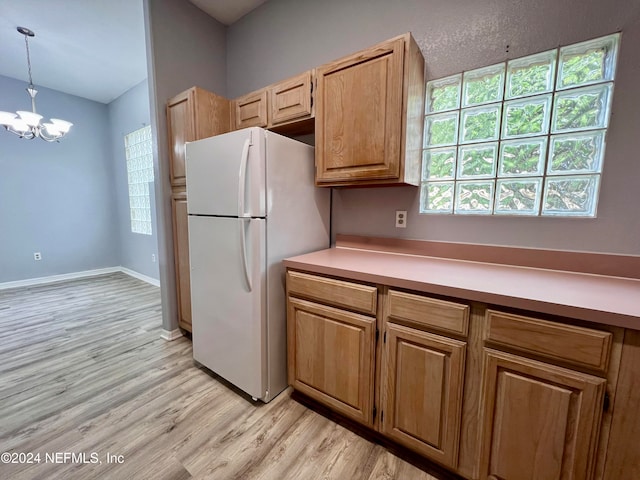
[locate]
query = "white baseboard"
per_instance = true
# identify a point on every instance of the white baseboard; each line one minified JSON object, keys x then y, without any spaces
{"x":57,"y":278}
{"x":70,"y":276}
{"x":140,"y":276}
{"x":169,"y":336}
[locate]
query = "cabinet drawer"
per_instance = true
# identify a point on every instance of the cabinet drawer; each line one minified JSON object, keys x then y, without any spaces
{"x":580,"y":346}
{"x":362,"y":298}
{"x":439,"y":314}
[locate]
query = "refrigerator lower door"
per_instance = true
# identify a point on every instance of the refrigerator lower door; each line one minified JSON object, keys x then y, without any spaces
{"x":228,"y":295}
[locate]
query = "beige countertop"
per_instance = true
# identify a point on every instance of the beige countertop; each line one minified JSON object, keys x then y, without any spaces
{"x":585,"y":296}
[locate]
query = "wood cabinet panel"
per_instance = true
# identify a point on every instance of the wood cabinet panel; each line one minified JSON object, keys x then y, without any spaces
{"x":623,"y":452}
{"x":180,"y":118}
{"x":449,"y":317}
{"x":192,"y":115}
{"x":539,"y":421}
{"x":422,"y":391}
{"x":353,"y":296}
{"x":291,"y":99}
{"x":251,"y":110}
{"x":331,"y":357}
{"x":181,"y":258}
{"x":584,"y":347}
{"x":360,"y":113}
{"x":369,"y":114}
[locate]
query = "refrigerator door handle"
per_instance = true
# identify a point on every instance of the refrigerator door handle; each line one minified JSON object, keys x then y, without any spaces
{"x":242,"y":179}
{"x":243,"y":248}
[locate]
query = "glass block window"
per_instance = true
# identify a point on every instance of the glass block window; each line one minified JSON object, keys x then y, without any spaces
{"x":523,"y":137}
{"x":139,"y":156}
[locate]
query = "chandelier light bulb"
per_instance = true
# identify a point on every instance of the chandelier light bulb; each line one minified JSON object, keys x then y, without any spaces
{"x":27,"y":124}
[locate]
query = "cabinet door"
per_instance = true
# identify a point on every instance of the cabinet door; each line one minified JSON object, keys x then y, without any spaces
{"x":359,"y":115}
{"x":181,"y":256}
{"x":251,"y":110}
{"x":330,"y":357}
{"x":181,"y":129}
{"x":422,"y":396}
{"x":291,"y":99}
{"x":540,"y":422}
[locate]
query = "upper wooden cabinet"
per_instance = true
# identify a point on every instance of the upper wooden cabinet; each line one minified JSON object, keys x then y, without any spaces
{"x":192,"y":115}
{"x":369,"y":116}
{"x":284,"y":103}
{"x":291,"y":99}
{"x":250,"y":110}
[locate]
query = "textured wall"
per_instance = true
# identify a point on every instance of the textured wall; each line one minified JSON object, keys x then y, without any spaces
{"x":56,"y":198}
{"x":284,"y":37}
{"x":128,"y":113}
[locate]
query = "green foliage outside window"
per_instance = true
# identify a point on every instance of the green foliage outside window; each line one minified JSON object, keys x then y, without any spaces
{"x":477,"y":162}
{"x":518,"y":195}
{"x":444,"y":98}
{"x":529,"y":80}
{"x":574,"y":154}
{"x":480,"y":126}
{"x":443,"y":132}
{"x":525,"y":119}
{"x":581,"y":69}
{"x":520,"y":159}
{"x":441,"y":164}
{"x":578,"y":112}
{"x":484,"y":89}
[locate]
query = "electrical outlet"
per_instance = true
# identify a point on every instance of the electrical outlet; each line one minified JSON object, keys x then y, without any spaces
{"x":37,"y":256}
{"x":153,"y":257}
{"x":401,"y":219}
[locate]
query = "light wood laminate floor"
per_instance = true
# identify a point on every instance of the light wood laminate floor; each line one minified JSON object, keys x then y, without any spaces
{"x":83,"y":370}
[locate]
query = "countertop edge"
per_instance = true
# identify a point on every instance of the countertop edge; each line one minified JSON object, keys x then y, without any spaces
{"x":475,"y":295}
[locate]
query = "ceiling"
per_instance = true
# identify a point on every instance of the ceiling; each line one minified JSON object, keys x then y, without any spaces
{"x":227,"y":11}
{"x":93,"y":49}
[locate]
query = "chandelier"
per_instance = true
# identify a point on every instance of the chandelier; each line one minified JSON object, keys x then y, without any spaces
{"x":27,"y":124}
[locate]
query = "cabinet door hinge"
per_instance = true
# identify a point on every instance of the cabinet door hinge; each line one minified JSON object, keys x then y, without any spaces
{"x":375,"y":410}
{"x":607,"y":402}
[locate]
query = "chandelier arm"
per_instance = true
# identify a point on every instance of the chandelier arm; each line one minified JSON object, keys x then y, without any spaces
{"x":46,"y":137}
{"x":29,"y":134}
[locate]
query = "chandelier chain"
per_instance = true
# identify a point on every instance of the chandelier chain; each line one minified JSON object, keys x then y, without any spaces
{"x":26,"y":42}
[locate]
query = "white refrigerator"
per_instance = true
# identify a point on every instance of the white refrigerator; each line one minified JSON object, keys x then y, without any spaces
{"x":251,"y":202}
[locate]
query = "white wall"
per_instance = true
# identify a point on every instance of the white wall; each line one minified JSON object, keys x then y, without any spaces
{"x":284,"y":37}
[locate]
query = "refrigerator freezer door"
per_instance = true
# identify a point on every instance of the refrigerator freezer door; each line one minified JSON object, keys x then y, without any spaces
{"x":226,"y":174}
{"x":228,"y":298}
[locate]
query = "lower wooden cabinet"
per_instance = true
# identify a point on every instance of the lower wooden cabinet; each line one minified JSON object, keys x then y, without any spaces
{"x":181,"y":258}
{"x":540,"y":421}
{"x":490,"y":395}
{"x":331,"y":357}
{"x":423,"y":378}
